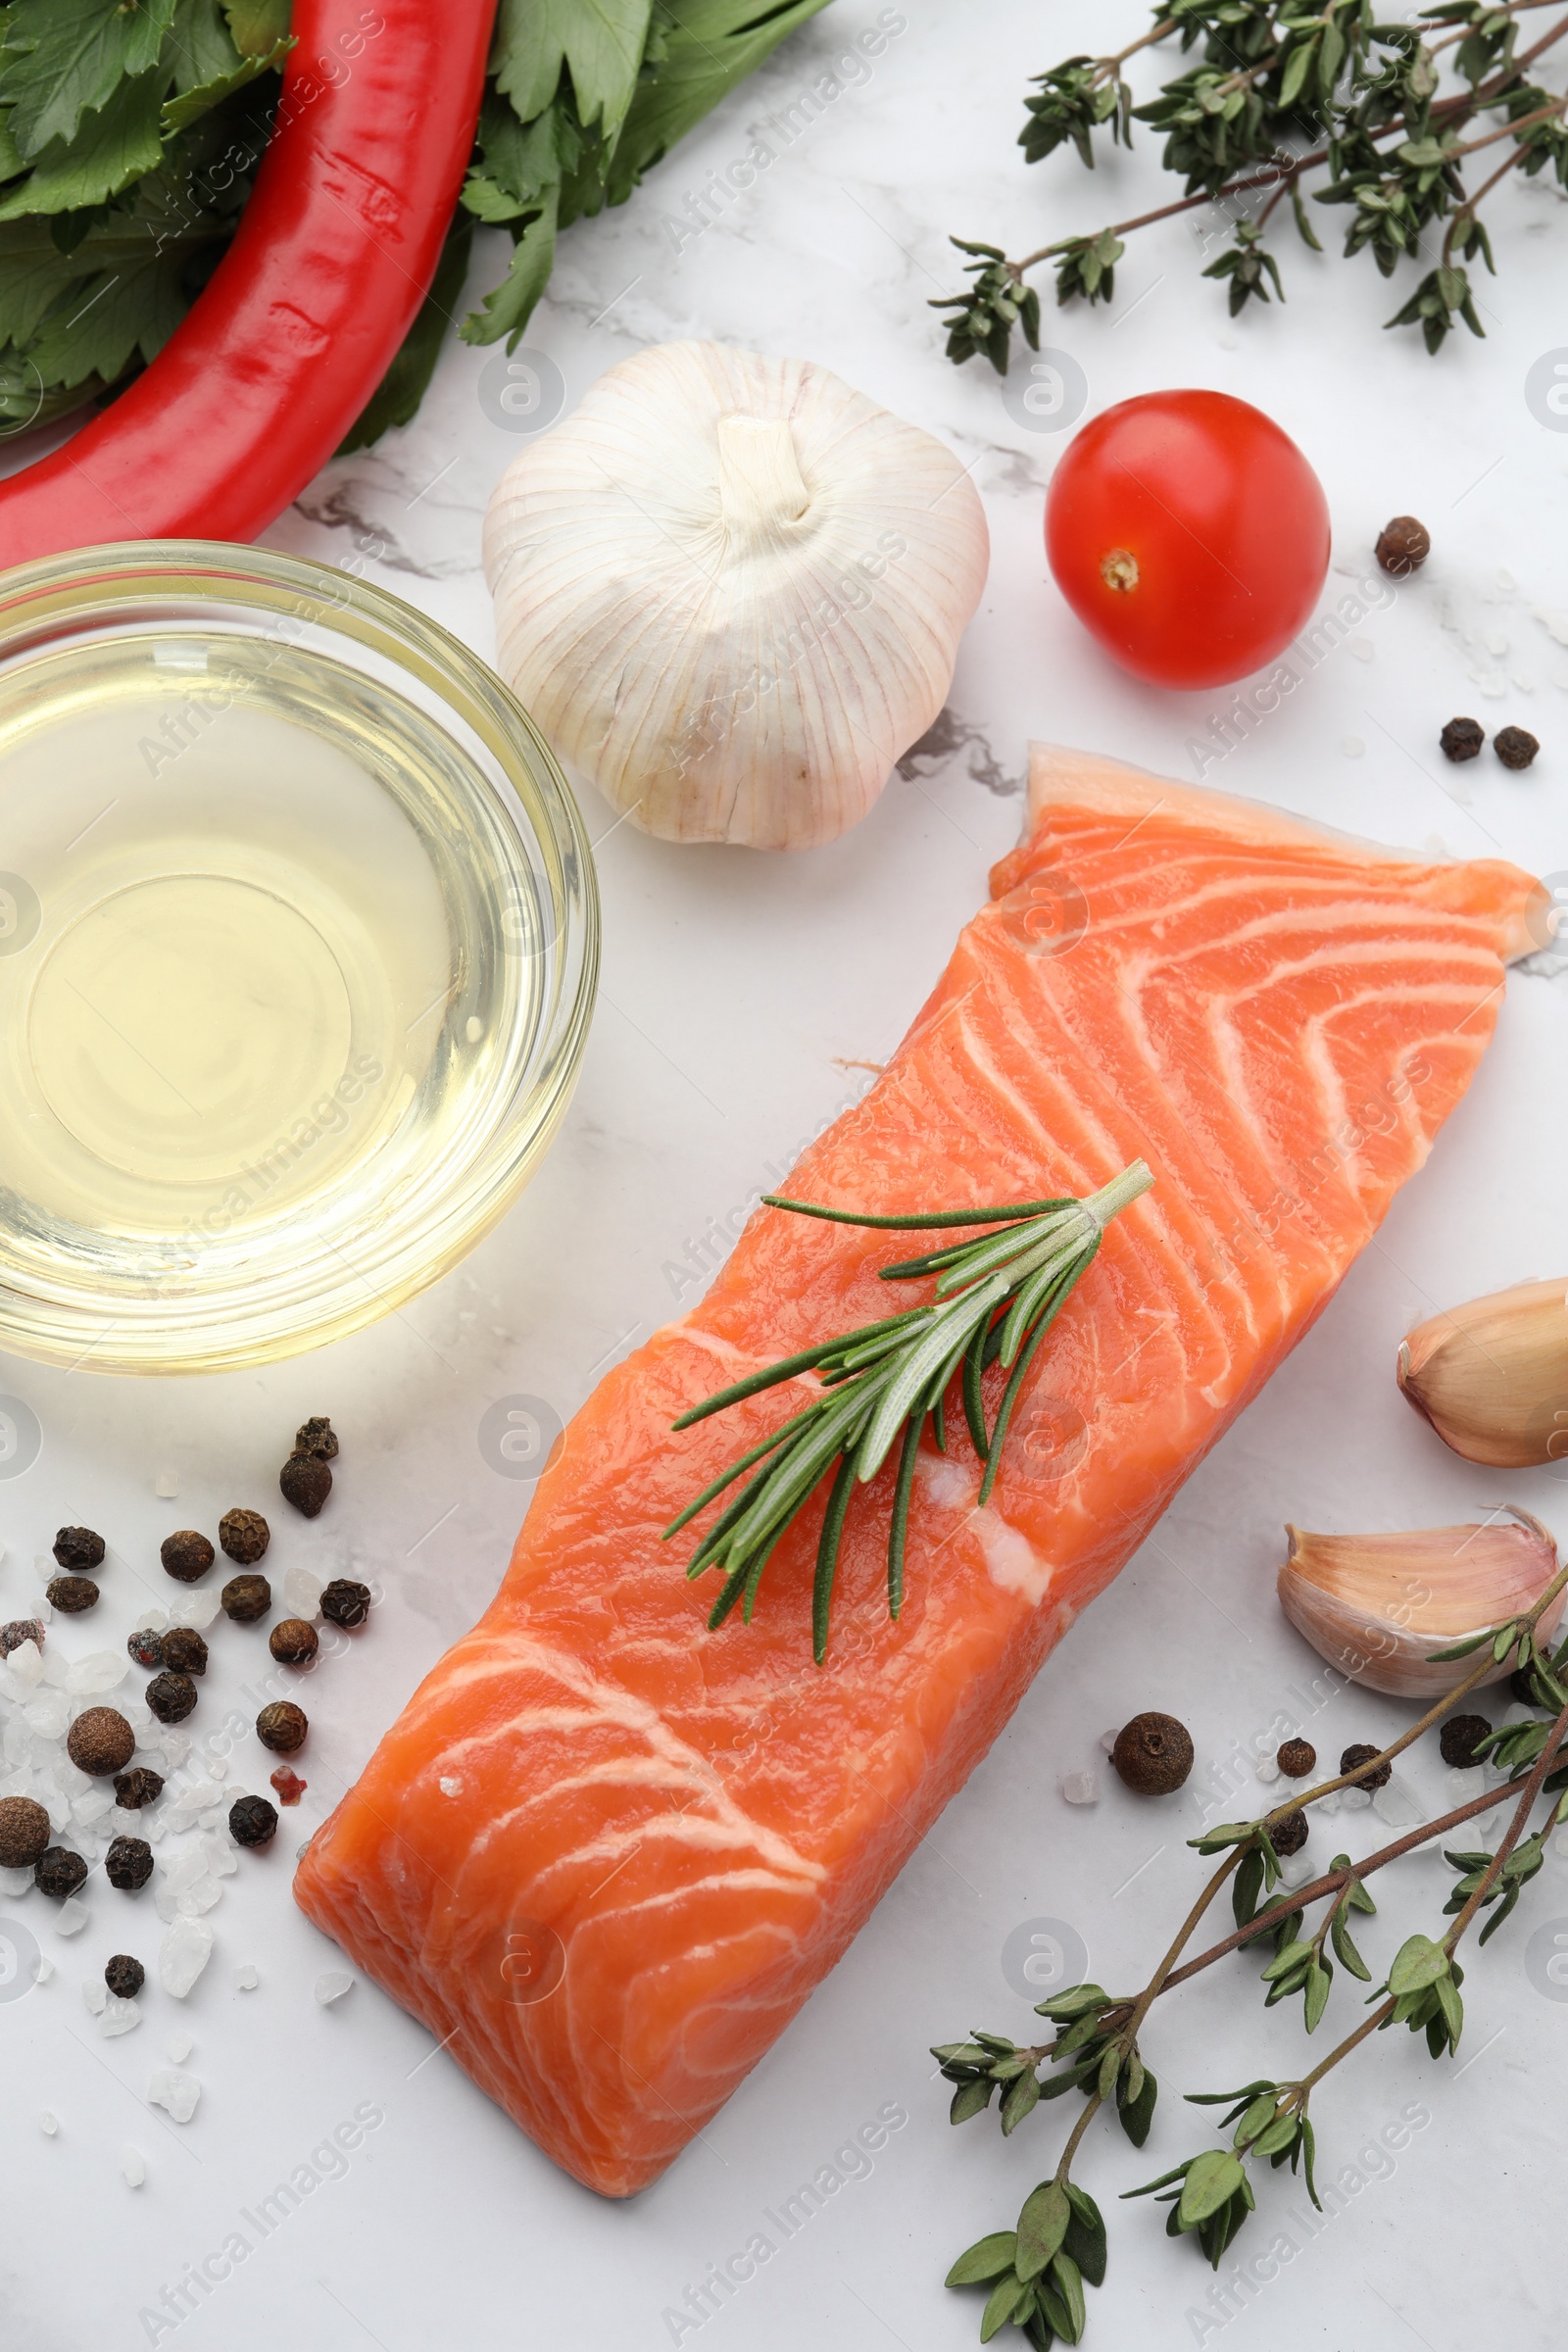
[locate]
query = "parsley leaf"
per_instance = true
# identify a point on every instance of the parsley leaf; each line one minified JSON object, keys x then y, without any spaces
{"x":256,"y":24}
{"x":600,"y":42}
{"x":120,"y":142}
{"x":67,"y":58}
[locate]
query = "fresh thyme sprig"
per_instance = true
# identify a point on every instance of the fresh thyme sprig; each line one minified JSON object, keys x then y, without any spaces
{"x":997,"y":1296}
{"x":1035,"y":2272}
{"x":1284,"y":88}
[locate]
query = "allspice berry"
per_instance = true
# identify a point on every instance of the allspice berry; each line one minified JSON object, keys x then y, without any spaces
{"x":1289,"y":1835}
{"x":171,"y":1697}
{"x":125,"y":1976}
{"x":186,"y":1555}
{"x":244,"y":1536}
{"x":59,"y":1872}
{"x":317,"y":1437}
{"x":1295,"y":1758}
{"x":24,"y":1832}
{"x":1403,"y":545}
{"x":1154,"y":1754}
{"x":137,"y":1787}
{"x":128,"y":1863}
{"x":293,"y":1643}
{"x":1462,"y":739}
{"x":1516,"y":746}
{"x":70,"y":1594}
{"x":184,"y":1650}
{"x":80,"y":1548}
{"x":282,"y":1727}
{"x":246,"y":1597}
{"x":100,"y":1741}
{"x":252,"y":1821}
{"x":1457,"y":1739}
{"x":305,"y":1483}
{"x":1360,"y":1753}
{"x":345,"y":1603}
{"x":20,"y":1630}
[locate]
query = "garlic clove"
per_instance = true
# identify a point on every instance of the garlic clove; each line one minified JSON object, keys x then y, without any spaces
{"x":1491,"y":1376}
{"x":1377,"y":1606}
{"x":729,"y":588}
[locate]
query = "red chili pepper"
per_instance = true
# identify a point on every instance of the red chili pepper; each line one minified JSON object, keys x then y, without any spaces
{"x":333,"y":254}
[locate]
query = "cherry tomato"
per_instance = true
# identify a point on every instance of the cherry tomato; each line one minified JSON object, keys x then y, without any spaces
{"x":1188,"y":534}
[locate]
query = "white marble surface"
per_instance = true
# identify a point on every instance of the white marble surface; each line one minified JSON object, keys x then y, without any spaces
{"x":742,"y":999}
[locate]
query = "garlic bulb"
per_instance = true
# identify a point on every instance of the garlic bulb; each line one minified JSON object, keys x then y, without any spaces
{"x":1377,"y":1606}
{"x":1493,"y":1377}
{"x":730,"y":589}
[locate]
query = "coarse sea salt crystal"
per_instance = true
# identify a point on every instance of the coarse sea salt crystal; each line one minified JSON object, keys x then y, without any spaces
{"x":55,"y":1670}
{"x":189,"y":1801}
{"x":247,"y":1977}
{"x":95,"y":1993}
{"x":25,"y":1665}
{"x":47,"y":1714}
{"x":217,"y":1766}
{"x":176,"y":2094}
{"x":1397,"y":1803}
{"x":88,"y":1812}
{"x":166,"y":1485}
{"x":48,"y":2122}
{"x":44,"y":1970}
{"x":119,"y":2016}
{"x":1081,"y":1788}
{"x":57,"y":1807}
{"x":1267,"y":1767}
{"x":133,"y":2167}
{"x":178,"y":2047}
{"x":302,"y":1593}
{"x":332,"y":1985}
{"x":1355,"y":1800}
{"x":152,"y":1619}
{"x":220,"y":1857}
{"x":183,"y":1953}
{"x":195,"y":1610}
{"x":71,"y":1918}
{"x":1108,"y":1739}
{"x":1295,"y":1869}
{"x":101,"y":1670}
{"x":176,"y":1747}
{"x":15,"y":1882}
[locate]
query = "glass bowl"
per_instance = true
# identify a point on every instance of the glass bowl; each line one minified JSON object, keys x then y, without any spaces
{"x":299,"y":938}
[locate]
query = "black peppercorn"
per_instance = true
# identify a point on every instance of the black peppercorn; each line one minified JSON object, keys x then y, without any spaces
{"x":184,"y":1650}
{"x":305,"y":1483}
{"x":125,"y":1976}
{"x":346,"y":1604}
{"x":71,"y":1594}
{"x":317,"y":1437}
{"x":186,"y":1555}
{"x":100,"y":1741}
{"x":1458,"y":1737}
{"x":1360,"y":1753}
{"x":137,"y":1787}
{"x":20,"y":1630}
{"x":1403,"y":545}
{"x":293,"y":1643}
{"x":146,"y":1647}
{"x":244,"y":1536}
{"x":282,"y":1727}
{"x":1154,"y":1754}
{"x":1295,"y":1758}
{"x":128,"y":1863}
{"x":246,"y":1597}
{"x":24,"y":1832}
{"x":59,"y":1872}
{"x":1521,"y":1686}
{"x":1514,"y":746}
{"x":1462,"y":738}
{"x":252,"y":1821}
{"x":1289,"y":1835}
{"x":80,"y":1550}
{"x":171,"y":1697}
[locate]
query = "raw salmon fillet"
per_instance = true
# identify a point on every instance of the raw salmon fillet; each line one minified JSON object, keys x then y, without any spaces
{"x":606,"y":1854}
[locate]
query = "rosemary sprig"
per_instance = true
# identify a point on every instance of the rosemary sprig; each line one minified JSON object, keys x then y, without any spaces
{"x":997,"y":1296}
{"x":1035,"y":2272}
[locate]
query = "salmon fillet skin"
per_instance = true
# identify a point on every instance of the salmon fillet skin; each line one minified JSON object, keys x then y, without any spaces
{"x":605,"y":1854}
